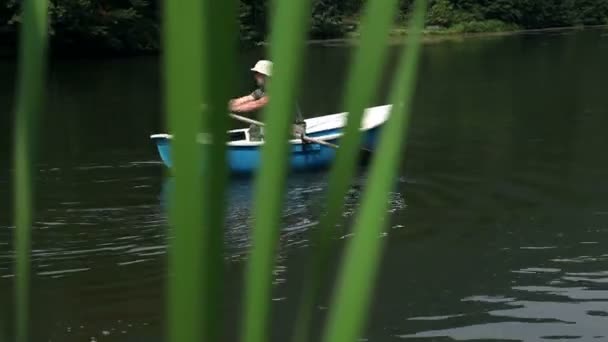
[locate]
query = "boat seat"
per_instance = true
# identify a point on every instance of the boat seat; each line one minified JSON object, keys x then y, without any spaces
{"x":236,"y":136}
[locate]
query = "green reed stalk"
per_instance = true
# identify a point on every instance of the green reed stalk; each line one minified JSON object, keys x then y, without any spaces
{"x":30,"y":96}
{"x":183,"y":45}
{"x":352,"y":293}
{"x":364,"y":76}
{"x":287,"y":45}
{"x":219,"y":33}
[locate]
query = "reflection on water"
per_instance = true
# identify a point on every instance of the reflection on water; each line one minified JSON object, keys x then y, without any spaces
{"x":574,"y":313}
{"x":74,"y":227}
{"x":88,"y":244}
{"x":563,"y":298}
{"x":499,"y":218}
{"x":303,"y":206}
{"x":76,"y":231}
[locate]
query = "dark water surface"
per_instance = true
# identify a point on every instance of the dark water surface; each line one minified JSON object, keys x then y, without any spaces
{"x":498,"y":221}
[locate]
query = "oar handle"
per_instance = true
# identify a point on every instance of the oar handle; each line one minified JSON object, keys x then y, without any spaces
{"x":303,"y":136}
{"x":247,"y":120}
{"x":325,"y":143}
{"x":319,"y":141}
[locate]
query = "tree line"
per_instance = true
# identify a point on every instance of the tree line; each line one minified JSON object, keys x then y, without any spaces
{"x":135,"y":25}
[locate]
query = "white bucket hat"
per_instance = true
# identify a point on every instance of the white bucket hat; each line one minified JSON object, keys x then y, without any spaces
{"x":263,"y":67}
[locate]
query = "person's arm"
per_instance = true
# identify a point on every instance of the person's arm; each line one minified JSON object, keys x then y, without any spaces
{"x":249,"y":106}
{"x":239,"y":101}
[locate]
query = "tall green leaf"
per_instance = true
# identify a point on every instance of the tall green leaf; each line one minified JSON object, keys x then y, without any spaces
{"x":364,"y":74}
{"x":218,"y":73}
{"x":287,"y":43}
{"x":183,"y":44}
{"x":30,"y":91}
{"x":352,"y":293}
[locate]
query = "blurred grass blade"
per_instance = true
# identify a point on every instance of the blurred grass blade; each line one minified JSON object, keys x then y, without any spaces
{"x":220,"y":49}
{"x":287,"y":45}
{"x":30,"y":91}
{"x":183,"y":47}
{"x":361,"y":86}
{"x":352,"y":294}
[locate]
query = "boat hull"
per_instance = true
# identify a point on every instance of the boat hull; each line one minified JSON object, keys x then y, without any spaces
{"x":303,"y":157}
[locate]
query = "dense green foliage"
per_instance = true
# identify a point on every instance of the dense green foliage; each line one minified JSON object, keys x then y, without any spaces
{"x":131,"y":25}
{"x":523,"y":13}
{"x":134,"y":25}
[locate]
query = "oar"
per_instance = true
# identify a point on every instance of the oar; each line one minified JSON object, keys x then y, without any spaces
{"x":303,"y":136}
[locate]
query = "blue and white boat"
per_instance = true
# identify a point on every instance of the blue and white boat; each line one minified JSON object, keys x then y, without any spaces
{"x":244,"y":156}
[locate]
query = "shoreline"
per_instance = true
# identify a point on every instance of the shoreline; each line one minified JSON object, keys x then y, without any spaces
{"x":396,"y":35}
{"x":436,"y":36}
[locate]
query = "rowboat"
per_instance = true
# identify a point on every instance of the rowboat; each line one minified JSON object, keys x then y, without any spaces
{"x":244,"y":155}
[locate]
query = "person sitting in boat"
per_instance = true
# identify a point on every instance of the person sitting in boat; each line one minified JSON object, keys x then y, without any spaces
{"x":258,"y":99}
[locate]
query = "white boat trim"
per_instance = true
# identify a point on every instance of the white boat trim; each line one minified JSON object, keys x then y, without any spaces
{"x":161,"y":136}
{"x":372,"y":118}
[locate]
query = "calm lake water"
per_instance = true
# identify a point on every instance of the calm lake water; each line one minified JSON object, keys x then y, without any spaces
{"x":499,"y":220}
